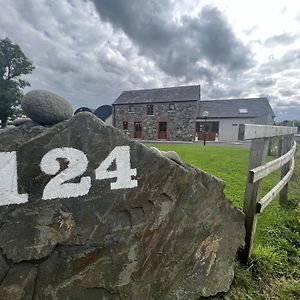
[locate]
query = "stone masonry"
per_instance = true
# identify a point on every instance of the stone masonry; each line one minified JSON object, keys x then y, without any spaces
{"x":181,"y":121}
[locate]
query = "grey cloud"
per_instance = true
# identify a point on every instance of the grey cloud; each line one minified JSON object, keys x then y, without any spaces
{"x":290,"y":60}
{"x":280,"y":39}
{"x":250,"y":30}
{"x":290,"y":104}
{"x":145,"y":22}
{"x":285,"y":107}
{"x":61,"y":63}
{"x":265,"y":82}
{"x":287,"y":92}
{"x":189,"y":47}
{"x":68,"y":46}
{"x":219,"y":92}
{"x":217,"y":40}
{"x":140,"y":45}
{"x":286,"y":112}
{"x":291,"y":57}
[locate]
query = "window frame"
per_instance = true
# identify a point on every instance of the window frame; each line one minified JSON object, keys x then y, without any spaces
{"x":243,"y":110}
{"x":171,"y":106}
{"x":149,"y":109}
{"x":125,"y":123}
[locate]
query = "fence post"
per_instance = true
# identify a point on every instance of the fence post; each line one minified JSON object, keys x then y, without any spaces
{"x":285,"y":147}
{"x":259,"y":150}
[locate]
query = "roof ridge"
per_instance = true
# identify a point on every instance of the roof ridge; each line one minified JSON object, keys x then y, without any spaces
{"x":166,"y":94}
{"x":234,"y":99}
{"x":163,"y":88}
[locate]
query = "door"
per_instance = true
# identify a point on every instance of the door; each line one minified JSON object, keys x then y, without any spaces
{"x":209,"y":129}
{"x":162,"y":130}
{"x":137,"y":130}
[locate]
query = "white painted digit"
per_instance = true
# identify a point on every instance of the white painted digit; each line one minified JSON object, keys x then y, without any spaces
{"x":9,"y":180}
{"x":77,"y":165}
{"x":123,"y":172}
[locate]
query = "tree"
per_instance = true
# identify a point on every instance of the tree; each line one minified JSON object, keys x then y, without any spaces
{"x":13,"y":64}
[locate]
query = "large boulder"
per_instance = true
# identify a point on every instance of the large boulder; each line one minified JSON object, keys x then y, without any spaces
{"x":103,"y":217}
{"x":45,"y":107}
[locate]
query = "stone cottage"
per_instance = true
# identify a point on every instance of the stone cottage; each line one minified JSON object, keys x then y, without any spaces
{"x":177,"y":113}
{"x":166,"y":113}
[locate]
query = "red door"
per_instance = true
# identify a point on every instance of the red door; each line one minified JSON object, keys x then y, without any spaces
{"x":137,"y":130}
{"x":162,"y":130}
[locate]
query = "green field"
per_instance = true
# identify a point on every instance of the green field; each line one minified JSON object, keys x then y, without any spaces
{"x":274,"y":269}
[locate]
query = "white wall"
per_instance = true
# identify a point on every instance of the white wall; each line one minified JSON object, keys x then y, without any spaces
{"x":229,"y":132}
{"x":108,"y":121}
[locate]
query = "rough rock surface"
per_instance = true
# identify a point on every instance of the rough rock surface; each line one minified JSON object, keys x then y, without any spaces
{"x":45,"y":107}
{"x":19,"y":283}
{"x":173,"y":236}
{"x":3,"y":267}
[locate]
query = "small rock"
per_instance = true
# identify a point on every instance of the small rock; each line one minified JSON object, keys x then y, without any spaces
{"x":169,"y":154}
{"x":156,"y":150}
{"x":46,"y":108}
{"x":25,"y":122}
{"x":172,"y":155}
{"x":20,"y":121}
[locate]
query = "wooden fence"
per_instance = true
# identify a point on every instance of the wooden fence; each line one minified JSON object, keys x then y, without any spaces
{"x":260,"y":136}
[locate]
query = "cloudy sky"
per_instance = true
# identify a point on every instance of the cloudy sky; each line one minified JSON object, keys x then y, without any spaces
{"x":90,"y":51}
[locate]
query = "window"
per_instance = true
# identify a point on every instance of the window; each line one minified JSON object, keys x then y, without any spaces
{"x":207,"y":126}
{"x":171,"y":106}
{"x":130,"y":108}
{"x":243,"y":110}
{"x":215,"y":127}
{"x":149,"y":109}
{"x":199,"y":127}
{"x":163,"y":126}
{"x":125,"y":125}
{"x":137,"y":126}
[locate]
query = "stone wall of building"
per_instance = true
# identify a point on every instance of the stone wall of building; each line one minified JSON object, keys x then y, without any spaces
{"x":181,"y":121}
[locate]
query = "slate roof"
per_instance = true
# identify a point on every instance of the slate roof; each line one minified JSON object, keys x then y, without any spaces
{"x":172,"y":94}
{"x":229,"y":108}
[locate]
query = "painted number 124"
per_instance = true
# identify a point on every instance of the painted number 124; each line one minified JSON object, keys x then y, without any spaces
{"x":58,"y":186}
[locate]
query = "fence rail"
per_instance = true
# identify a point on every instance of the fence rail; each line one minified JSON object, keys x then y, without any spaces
{"x":260,"y":136}
{"x":264,"y":202}
{"x":266,"y":169}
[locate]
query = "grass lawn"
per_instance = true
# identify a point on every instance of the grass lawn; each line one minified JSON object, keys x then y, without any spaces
{"x":274,"y":269}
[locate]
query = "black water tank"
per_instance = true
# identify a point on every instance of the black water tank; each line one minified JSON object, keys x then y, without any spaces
{"x":83,"y":108}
